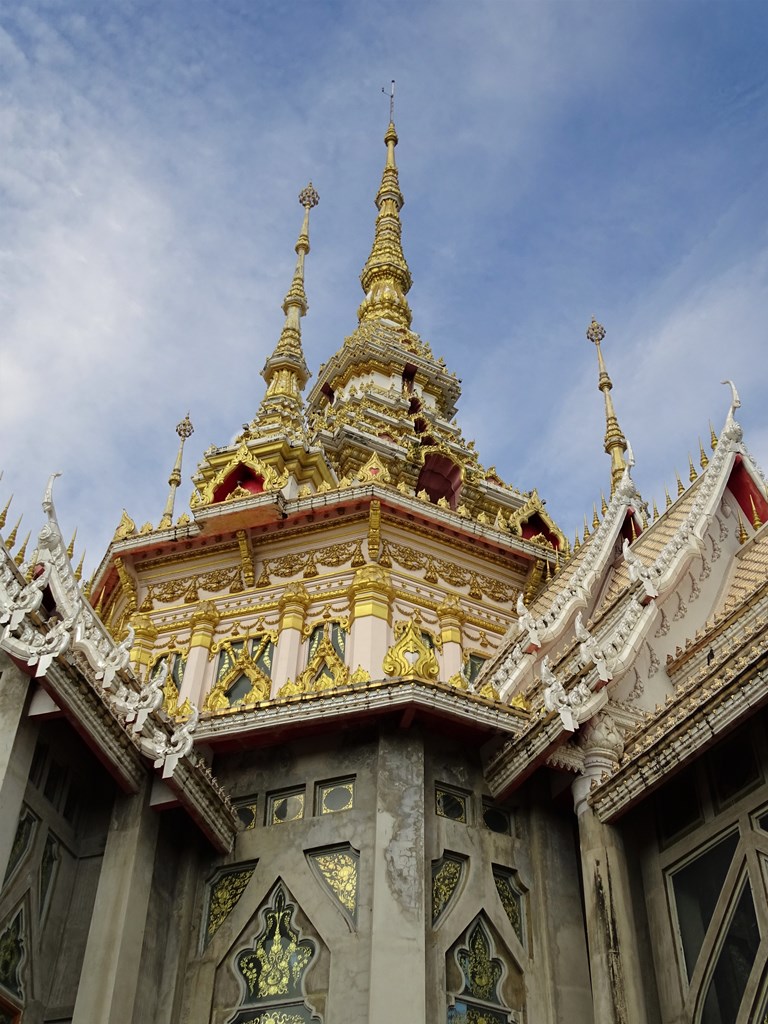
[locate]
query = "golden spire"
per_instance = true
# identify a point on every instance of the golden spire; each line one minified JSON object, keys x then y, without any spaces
{"x":667,"y":499}
{"x":692,"y":474}
{"x":680,"y":487}
{"x":655,"y":511}
{"x":615,"y":442}
{"x":703,"y":460}
{"x":71,"y":545}
{"x":595,"y":519}
{"x":79,"y":569}
{"x":743,"y":535}
{"x":21,"y":554}
{"x":712,"y":436}
{"x":4,"y":512}
{"x":385,"y":278}
{"x":11,"y":538}
{"x":286,"y":371}
{"x":184,"y":430}
{"x":756,"y":522}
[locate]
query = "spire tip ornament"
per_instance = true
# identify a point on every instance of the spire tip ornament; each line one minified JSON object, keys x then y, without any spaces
{"x":615,"y":443}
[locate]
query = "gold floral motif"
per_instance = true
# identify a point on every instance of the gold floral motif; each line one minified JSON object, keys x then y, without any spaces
{"x":449,"y":572}
{"x":188,"y":587}
{"x":224,"y":894}
{"x":338,"y":870}
{"x":277,"y":963}
{"x":482,"y":972}
{"x":326,"y":669}
{"x":306,"y":563}
{"x":511,"y":901}
{"x":446,"y":875}
{"x":410,"y":656}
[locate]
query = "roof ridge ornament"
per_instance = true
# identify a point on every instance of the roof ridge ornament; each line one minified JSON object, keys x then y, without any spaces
{"x":615,"y":441}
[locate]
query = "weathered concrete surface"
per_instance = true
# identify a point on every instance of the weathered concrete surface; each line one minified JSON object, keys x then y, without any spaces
{"x":110,"y":975}
{"x":18,"y":735}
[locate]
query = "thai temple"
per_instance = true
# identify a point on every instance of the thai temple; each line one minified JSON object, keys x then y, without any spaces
{"x":362,"y":737}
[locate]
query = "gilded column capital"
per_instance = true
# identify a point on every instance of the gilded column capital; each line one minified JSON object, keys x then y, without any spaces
{"x":451,"y":619}
{"x":144,"y":628}
{"x":145,"y":637}
{"x":293,"y":606}
{"x":370,"y":592}
{"x":204,"y":621}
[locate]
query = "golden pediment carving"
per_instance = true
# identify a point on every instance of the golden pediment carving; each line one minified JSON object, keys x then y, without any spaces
{"x":125,"y":528}
{"x":271,"y":479}
{"x":411,"y":656}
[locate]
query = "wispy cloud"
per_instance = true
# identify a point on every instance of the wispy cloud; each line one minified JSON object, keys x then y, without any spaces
{"x":558,"y":160}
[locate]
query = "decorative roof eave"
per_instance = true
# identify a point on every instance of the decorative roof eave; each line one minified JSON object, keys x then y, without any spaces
{"x":683,"y":729}
{"x":88,"y":678}
{"x":533,"y":633}
{"x":331,"y":708}
{"x":587,"y":691}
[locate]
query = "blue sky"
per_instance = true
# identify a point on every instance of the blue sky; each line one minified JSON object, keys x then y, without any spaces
{"x":557,"y":160}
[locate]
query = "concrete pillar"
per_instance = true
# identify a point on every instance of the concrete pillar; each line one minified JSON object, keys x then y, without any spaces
{"x":111,"y":975}
{"x":450,"y":634}
{"x":398,"y":926}
{"x":293,"y":611}
{"x":370,"y":597}
{"x":204,"y":621}
{"x":143,"y":643}
{"x":614,"y":958}
{"x":18,"y":735}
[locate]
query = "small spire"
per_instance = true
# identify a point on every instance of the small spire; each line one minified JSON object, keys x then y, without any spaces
{"x":644,"y":517}
{"x":632,"y":531}
{"x":286,"y":370}
{"x":71,"y":547}
{"x":11,"y":539}
{"x":680,"y":484}
{"x":185,"y":430}
{"x":743,"y":535}
{"x":712,"y":436}
{"x":756,"y":521}
{"x":603,"y":504}
{"x":576,"y":543}
{"x":667,"y":499}
{"x":4,"y":513}
{"x":79,"y":569}
{"x":595,"y":519}
{"x":21,"y":554}
{"x":586,"y":528}
{"x":692,"y":474}
{"x":385,"y":278}
{"x":655,"y":511}
{"x":615,"y":442}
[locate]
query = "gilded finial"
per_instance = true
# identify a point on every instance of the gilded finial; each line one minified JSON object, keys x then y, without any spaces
{"x":692,"y":474}
{"x":644,"y":517}
{"x":603,"y":504}
{"x":385,"y":278}
{"x":743,"y":535}
{"x":79,"y":569}
{"x":680,"y":484}
{"x":71,"y":546}
{"x":595,"y":518}
{"x":615,"y":442}
{"x":11,"y":539}
{"x":21,"y":554}
{"x":185,"y":430}
{"x":100,"y":603}
{"x":655,"y":511}
{"x":586,"y":529}
{"x":712,"y":436}
{"x":756,"y":521}
{"x":632,"y":531}
{"x":667,"y":499}
{"x":286,"y":371}
{"x":703,"y":460}
{"x":4,"y":513}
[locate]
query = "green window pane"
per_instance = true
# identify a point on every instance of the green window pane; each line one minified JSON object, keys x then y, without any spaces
{"x":697,"y":887}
